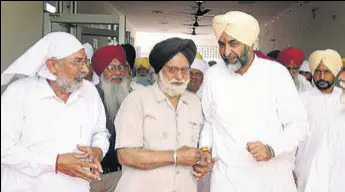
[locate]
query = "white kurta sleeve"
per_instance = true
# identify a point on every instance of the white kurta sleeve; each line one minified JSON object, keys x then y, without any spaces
{"x":100,"y":134}
{"x":292,"y":116}
{"x":13,"y":153}
{"x":206,"y":135}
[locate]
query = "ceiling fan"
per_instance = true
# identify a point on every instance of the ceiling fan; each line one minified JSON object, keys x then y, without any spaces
{"x":193,"y":32}
{"x":196,"y":23}
{"x":200,"y":11}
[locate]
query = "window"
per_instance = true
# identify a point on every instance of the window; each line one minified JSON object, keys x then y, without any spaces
{"x":209,"y":52}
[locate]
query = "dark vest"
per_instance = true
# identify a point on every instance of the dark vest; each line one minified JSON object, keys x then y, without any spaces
{"x":110,"y":162}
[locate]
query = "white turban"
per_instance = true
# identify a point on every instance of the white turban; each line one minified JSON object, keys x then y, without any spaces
{"x":239,"y":25}
{"x":89,"y":50}
{"x":200,"y":65}
{"x":33,"y":61}
{"x":305,"y":66}
{"x":330,"y":58}
{"x":89,"y":53}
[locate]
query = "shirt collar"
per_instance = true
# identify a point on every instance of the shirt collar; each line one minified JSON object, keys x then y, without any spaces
{"x":160,"y":96}
{"x":45,"y":91}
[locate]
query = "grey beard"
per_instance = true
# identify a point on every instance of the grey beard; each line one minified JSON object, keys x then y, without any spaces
{"x":242,"y":61}
{"x":68,"y":85}
{"x":114,"y":94}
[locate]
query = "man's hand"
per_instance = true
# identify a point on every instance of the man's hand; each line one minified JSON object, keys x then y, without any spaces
{"x":74,"y":164}
{"x":188,"y":156}
{"x":205,"y":165}
{"x":95,"y":156}
{"x":259,"y":151}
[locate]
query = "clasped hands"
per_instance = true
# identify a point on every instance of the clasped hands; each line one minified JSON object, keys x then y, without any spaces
{"x":201,"y":161}
{"x":85,"y":165}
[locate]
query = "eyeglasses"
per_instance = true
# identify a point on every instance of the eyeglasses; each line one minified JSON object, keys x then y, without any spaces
{"x":121,"y":67}
{"x":79,"y":63}
{"x":174,"y":70}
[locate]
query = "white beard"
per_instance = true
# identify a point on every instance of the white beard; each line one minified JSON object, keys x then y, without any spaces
{"x":114,"y":94}
{"x":67,"y":85}
{"x":234,"y":67}
{"x":169,"y":88}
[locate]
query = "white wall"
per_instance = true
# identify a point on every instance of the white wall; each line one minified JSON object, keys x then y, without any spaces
{"x":21,"y":27}
{"x":299,"y":29}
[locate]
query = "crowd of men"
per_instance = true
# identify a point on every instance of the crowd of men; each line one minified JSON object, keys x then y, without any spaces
{"x":75,"y":119}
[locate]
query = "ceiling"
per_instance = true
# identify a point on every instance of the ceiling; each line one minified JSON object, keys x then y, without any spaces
{"x":169,"y":16}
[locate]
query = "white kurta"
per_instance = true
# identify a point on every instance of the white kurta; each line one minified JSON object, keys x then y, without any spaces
{"x":36,"y":125}
{"x":314,"y":157}
{"x":336,"y":142}
{"x":262,"y":105}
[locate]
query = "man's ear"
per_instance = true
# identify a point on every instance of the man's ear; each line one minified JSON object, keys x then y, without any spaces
{"x":51,"y":64}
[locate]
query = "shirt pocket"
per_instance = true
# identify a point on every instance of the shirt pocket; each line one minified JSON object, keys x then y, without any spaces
{"x":194,"y":127}
{"x":156,"y":133}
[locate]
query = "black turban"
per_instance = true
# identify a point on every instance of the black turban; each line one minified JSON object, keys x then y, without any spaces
{"x":130,"y":54}
{"x":165,"y":50}
{"x":273,"y":54}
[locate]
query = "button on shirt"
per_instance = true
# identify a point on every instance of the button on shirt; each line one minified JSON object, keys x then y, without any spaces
{"x":36,"y":126}
{"x":148,"y":120}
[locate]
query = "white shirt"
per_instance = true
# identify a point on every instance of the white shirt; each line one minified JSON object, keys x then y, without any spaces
{"x":36,"y":125}
{"x":314,"y":157}
{"x":262,"y":105}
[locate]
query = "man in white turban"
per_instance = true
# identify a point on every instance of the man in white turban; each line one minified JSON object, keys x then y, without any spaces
{"x":91,"y":76}
{"x":305,"y":71}
{"x":198,"y":69}
{"x":254,"y":116}
{"x":325,"y":111}
{"x":53,"y":133}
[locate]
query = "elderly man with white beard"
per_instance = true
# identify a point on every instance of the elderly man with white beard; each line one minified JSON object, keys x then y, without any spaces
{"x":52,"y":121}
{"x":158,"y":126}
{"x":254,"y":116}
{"x":109,"y":63}
{"x":327,"y":117}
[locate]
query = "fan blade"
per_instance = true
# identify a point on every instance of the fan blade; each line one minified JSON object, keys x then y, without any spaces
{"x":204,"y":25}
{"x":191,"y":25}
{"x":200,"y":16}
{"x":205,"y":11}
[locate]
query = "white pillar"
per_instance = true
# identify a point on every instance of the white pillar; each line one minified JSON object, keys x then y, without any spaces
{"x":122,"y":29}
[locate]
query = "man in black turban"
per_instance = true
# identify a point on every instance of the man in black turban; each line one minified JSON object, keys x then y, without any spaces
{"x":130,"y":54}
{"x":157,"y":128}
{"x":163,"y":51}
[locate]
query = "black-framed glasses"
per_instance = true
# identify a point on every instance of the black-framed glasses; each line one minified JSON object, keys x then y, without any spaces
{"x":174,"y":69}
{"x":121,"y":67}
